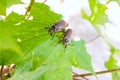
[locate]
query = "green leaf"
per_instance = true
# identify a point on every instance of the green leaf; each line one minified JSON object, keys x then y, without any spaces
{"x":112,"y":64}
{"x":44,"y":58}
{"x":28,"y":33}
{"x":34,"y":39}
{"x":31,"y":31}
{"x":116,"y":76}
{"x":92,"y":4}
{"x":49,"y":55}
{"x":7,"y":3}
{"x":98,"y":15}
{"x":15,"y":18}
{"x":35,"y":30}
{"x":43,"y":14}
{"x":62,"y":70}
{"x":84,"y":15}
{"x":9,"y":49}
{"x":9,"y":56}
{"x":79,"y":57}
{"x":6,"y":41}
{"x":30,"y":75}
{"x":117,"y":52}
{"x":41,"y":52}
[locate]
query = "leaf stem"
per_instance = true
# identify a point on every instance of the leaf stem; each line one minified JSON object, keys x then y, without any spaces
{"x":44,"y":1}
{"x":29,"y":7}
{"x":98,"y":73}
{"x":93,"y":39}
{"x":74,"y":78}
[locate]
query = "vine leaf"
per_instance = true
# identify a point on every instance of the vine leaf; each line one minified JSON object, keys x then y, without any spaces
{"x":32,"y":30}
{"x":43,"y":14}
{"x":56,"y":59}
{"x":7,"y":3}
{"x":49,"y":55}
{"x":26,"y":32}
{"x":117,"y":52}
{"x":41,"y":55}
{"x":35,"y":30}
{"x":9,"y":48}
{"x":62,"y":70}
{"x":79,"y":56}
{"x":15,"y":18}
{"x":98,"y":15}
{"x":112,"y":64}
{"x":29,"y":74}
{"x":92,"y":4}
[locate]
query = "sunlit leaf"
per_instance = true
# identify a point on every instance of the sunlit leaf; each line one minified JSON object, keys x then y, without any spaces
{"x":62,"y":70}
{"x":7,"y":3}
{"x":112,"y":64}
{"x":45,"y":57}
{"x":98,"y":15}
{"x":35,"y":30}
{"x":79,"y":56}
{"x":9,"y":49}
{"x":92,"y":4}
{"x":30,"y":75}
{"x":14,"y":18}
{"x":43,"y":14}
{"x":49,"y":55}
{"x":117,"y":52}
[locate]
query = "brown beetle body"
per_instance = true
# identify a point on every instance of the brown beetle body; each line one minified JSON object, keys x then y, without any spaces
{"x":67,"y":37}
{"x":58,"y":26}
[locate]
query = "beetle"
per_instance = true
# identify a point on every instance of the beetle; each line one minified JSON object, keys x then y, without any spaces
{"x":58,"y":26}
{"x":67,"y":37}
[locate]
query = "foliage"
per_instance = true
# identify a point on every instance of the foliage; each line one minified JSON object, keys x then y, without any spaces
{"x":28,"y":44}
{"x":7,"y":3}
{"x":39,"y":56}
{"x":112,"y":64}
{"x":98,"y":17}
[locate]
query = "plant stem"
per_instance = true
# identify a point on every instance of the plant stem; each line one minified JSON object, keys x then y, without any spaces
{"x":29,"y":7}
{"x":44,"y":1}
{"x":79,"y":76}
{"x":97,"y":73}
{"x":93,"y":39}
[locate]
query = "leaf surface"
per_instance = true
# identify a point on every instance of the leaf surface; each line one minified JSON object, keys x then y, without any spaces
{"x":7,"y":3}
